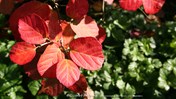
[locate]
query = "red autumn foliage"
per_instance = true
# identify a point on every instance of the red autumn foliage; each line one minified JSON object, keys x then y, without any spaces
{"x":80,"y":86}
{"x":50,"y":46}
{"x":21,"y":49}
{"x":76,"y":9}
{"x":51,"y":87}
{"x":150,"y":6}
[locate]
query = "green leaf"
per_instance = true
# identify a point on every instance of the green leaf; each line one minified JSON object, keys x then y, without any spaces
{"x":34,"y":87}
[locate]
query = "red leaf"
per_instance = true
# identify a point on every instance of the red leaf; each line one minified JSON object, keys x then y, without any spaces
{"x":67,"y":34}
{"x":21,"y":49}
{"x":54,"y":27}
{"x":86,"y":27}
{"x":102,"y":34}
{"x":67,"y":72}
{"x":31,"y":68}
{"x":48,"y":60}
{"x":51,"y":87}
{"x":76,"y":9}
{"x":41,"y":9}
{"x":80,"y":86}
{"x":32,"y":29}
{"x":109,"y":1}
{"x":152,"y":6}
{"x":6,"y":6}
{"x":131,"y":5}
{"x":87,"y":53}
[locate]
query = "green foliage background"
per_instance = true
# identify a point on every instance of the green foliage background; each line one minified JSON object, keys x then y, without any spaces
{"x":141,"y":66}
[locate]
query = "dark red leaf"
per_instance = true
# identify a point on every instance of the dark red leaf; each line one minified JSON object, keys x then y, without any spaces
{"x":54,"y":27}
{"x":41,"y":9}
{"x":67,"y":72}
{"x":31,"y":68}
{"x":87,"y":53}
{"x":86,"y":27}
{"x":67,"y":34}
{"x":51,"y":87}
{"x":6,"y":6}
{"x":131,"y":5}
{"x":76,"y":9}
{"x":102,"y":34}
{"x":21,"y":49}
{"x":32,"y":29}
{"x":152,"y":6}
{"x":80,"y":86}
{"x":51,"y":56}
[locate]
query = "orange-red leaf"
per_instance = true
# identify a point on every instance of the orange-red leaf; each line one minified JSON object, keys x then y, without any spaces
{"x":6,"y":6}
{"x":54,"y":27}
{"x":86,"y":27}
{"x":76,"y":9}
{"x":51,"y":87}
{"x":48,"y":60}
{"x":80,"y":86}
{"x":41,"y":9}
{"x":87,"y":53}
{"x":131,"y":5}
{"x":67,"y":34}
{"x":32,"y":29}
{"x":22,"y":53}
{"x":67,"y":72}
{"x":152,"y":6}
{"x":102,"y":34}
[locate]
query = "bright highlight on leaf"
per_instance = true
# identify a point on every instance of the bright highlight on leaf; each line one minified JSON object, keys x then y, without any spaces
{"x":76,"y":9}
{"x":67,"y":72}
{"x":51,"y":56}
{"x":87,"y":53}
{"x":86,"y":27}
{"x":21,"y":49}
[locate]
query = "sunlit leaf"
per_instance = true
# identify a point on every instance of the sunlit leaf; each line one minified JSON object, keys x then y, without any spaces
{"x":32,"y":29}
{"x":152,"y":6}
{"x":51,"y":87}
{"x":67,"y":72}
{"x":87,"y":53}
{"x":131,"y":5}
{"x":86,"y":27}
{"x":76,"y":9}
{"x":21,"y":49}
{"x":48,"y":60}
{"x":41,"y":9}
{"x":80,"y":86}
